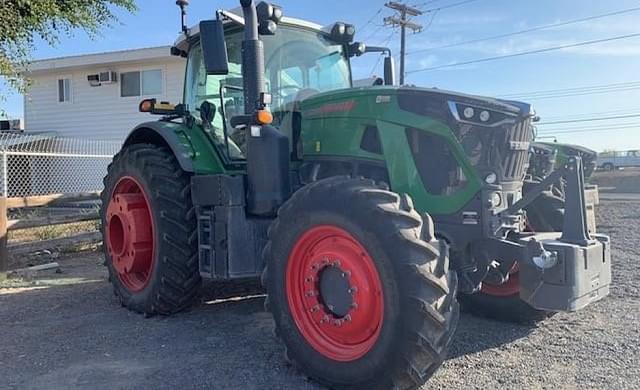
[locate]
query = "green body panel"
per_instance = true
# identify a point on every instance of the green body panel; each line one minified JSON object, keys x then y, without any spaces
{"x":198,"y":146}
{"x":333,"y":125}
{"x":332,"y":128}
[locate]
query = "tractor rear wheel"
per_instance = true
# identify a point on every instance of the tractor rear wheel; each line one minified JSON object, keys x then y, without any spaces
{"x":149,"y":230}
{"x":359,"y":299}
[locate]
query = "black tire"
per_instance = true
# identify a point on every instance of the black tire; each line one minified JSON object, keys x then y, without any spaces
{"x":545,"y":214}
{"x":420,"y":308}
{"x":174,"y":279}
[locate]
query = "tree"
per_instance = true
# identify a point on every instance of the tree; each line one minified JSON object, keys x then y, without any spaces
{"x":23,"y":21}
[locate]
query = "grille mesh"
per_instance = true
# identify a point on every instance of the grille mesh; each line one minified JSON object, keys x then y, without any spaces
{"x":516,"y":159}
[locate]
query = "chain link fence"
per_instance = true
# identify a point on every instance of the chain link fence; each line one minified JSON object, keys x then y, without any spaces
{"x":43,"y":164}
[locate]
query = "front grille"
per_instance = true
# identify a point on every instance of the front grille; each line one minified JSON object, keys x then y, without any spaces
{"x":515,"y":151}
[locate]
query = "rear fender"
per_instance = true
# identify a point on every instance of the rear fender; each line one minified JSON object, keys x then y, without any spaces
{"x":192,"y":148}
{"x":158,"y":133}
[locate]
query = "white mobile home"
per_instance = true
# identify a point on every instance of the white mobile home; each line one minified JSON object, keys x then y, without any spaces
{"x":96,"y":96}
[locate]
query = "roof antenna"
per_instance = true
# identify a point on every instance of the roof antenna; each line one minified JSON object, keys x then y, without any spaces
{"x":183,"y":11}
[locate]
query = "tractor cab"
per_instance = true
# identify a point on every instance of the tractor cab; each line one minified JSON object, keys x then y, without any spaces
{"x":301,"y":60}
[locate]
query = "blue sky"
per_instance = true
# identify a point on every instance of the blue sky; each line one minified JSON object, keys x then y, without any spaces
{"x":157,"y":23}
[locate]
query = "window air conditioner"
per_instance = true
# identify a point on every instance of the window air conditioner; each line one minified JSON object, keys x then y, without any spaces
{"x":108,"y":77}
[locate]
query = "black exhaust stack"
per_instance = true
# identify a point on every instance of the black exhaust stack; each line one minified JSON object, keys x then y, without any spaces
{"x":268,"y":182}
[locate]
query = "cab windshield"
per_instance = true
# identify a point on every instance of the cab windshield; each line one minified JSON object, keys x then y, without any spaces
{"x":298,"y":64}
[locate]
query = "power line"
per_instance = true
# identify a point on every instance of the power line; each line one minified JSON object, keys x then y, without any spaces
{"x":600,"y":130}
{"x":590,"y":114}
{"x":373,"y":34}
{"x":596,"y":127}
{"x":370,"y":21}
{"x":592,"y":88}
{"x":444,"y":6}
{"x":599,"y":92}
{"x":423,"y":4}
{"x":606,"y":118}
{"x":548,"y":49}
{"x":533,"y":29}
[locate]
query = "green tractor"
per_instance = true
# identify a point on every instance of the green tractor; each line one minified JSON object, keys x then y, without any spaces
{"x":275,"y":168}
{"x":547,"y":212}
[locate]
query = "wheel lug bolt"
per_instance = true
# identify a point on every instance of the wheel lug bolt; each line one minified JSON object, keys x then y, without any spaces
{"x":347,"y":318}
{"x":311,"y":293}
{"x":315,"y":308}
{"x":330,"y":307}
{"x":346,"y":274}
{"x":353,"y":290}
{"x":336,"y":263}
{"x":354,"y":305}
{"x":337,"y":323}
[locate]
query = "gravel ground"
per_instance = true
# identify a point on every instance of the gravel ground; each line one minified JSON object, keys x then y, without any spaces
{"x":68,"y":331}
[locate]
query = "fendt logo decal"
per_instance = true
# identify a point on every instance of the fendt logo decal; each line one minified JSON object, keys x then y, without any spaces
{"x":330,"y":108}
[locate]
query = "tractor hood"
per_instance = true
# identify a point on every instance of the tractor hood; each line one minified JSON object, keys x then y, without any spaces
{"x":494,"y":134}
{"x":424,"y":101}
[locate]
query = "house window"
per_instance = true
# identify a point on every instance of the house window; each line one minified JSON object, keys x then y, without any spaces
{"x":64,"y":90}
{"x":141,"y":83}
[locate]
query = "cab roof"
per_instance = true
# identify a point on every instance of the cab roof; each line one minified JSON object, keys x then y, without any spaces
{"x":193,"y":31}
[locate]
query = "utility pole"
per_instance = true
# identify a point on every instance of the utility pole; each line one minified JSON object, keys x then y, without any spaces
{"x":404,"y":23}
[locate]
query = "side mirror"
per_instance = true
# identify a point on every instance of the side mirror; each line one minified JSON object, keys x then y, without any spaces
{"x":214,"y":47}
{"x":389,"y":71}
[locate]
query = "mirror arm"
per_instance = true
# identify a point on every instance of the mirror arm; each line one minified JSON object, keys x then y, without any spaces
{"x":378,"y":49}
{"x":226,"y":15}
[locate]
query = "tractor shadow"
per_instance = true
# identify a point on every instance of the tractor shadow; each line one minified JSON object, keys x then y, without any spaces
{"x":475,"y":334}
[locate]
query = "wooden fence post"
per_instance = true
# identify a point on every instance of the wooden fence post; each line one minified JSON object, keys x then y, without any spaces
{"x":4,"y":252}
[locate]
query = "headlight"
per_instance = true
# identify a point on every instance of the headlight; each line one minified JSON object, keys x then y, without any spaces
{"x":469,"y":112}
{"x":485,"y":116}
{"x":491,"y":178}
{"x":478,"y":115}
{"x":495,"y":199}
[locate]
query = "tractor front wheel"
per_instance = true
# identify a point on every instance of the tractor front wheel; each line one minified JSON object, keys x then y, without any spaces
{"x":503,"y":302}
{"x":149,"y":230}
{"x":359,"y":299}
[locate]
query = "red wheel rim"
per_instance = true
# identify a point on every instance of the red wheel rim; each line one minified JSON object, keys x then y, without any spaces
{"x":509,"y":288}
{"x":130,"y":234}
{"x":341,"y":338}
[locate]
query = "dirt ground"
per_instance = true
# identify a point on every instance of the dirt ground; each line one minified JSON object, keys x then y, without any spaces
{"x":66,"y":330}
{"x":619,"y":181}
